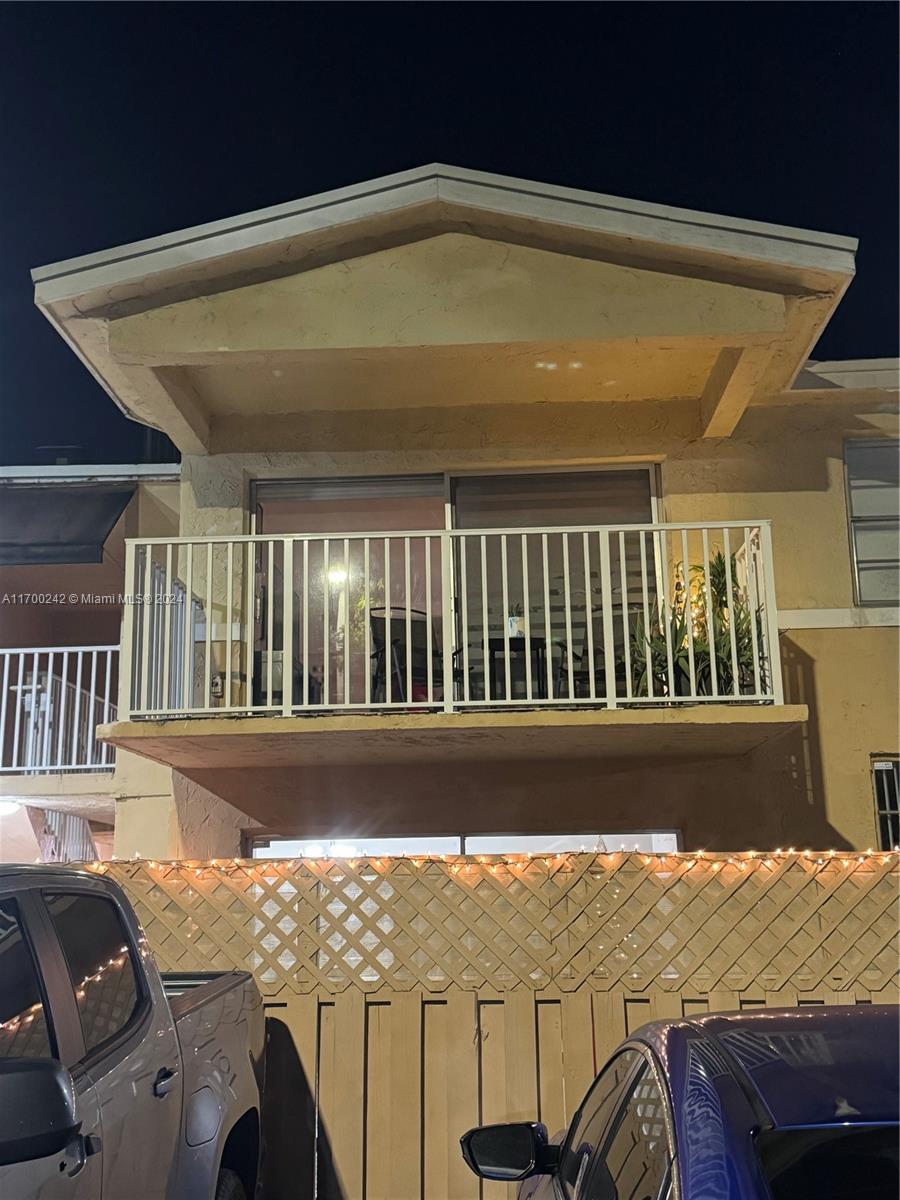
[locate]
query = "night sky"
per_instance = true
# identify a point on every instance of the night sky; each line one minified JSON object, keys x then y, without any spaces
{"x":121,"y":121}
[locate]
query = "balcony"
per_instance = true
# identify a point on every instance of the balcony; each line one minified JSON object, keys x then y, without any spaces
{"x":451,"y":620}
{"x":326,"y":670}
{"x":52,"y":700}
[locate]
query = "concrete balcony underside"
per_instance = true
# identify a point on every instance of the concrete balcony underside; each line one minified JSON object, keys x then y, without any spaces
{"x":620,"y":736}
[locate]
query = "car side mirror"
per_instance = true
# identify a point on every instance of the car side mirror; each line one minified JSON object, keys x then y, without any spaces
{"x":508,"y":1153}
{"x":37,"y":1109}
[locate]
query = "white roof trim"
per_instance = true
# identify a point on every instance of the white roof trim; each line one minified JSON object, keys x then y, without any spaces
{"x":81,"y":473}
{"x":497,"y":194}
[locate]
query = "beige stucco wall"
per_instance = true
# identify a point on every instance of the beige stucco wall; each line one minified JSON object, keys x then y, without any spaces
{"x":784,"y":463}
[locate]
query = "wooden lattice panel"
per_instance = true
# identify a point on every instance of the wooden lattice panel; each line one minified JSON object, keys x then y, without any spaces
{"x":610,"y":922}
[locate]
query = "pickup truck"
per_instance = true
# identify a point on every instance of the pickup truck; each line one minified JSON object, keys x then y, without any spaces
{"x":117,"y":1082}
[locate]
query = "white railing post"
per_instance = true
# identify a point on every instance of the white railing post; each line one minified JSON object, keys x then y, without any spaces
{"x":126,"y":663}
{"x":609,"y":637}
{"x":287,"y":626}
{"x":448,"y":617}
{"x":765,"y":536}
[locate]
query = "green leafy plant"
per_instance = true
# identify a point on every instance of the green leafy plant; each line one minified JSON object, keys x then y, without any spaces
{"x":703,"y":603}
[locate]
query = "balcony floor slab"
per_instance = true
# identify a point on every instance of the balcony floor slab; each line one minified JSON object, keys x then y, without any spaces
{"x":620,"y":737}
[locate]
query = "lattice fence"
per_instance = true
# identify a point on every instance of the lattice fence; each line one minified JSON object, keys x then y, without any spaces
{"x":410,"y":999}
{"x":626,"y":921}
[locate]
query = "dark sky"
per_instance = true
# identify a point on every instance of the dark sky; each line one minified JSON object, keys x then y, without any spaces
{"x":121,"y":121}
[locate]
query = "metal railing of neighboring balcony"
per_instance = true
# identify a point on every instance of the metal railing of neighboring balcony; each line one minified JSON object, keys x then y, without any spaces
{"x":52,"y":700}
{"x":606,"y":616}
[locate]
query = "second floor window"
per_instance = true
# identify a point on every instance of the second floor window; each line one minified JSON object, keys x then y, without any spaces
{"x":874,"y":502}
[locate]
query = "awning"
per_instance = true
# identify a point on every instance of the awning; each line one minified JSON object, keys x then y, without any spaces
{"x":55,"y":524}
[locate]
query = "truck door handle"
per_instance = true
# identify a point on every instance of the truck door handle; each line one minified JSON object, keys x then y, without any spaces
{"x":164,"y":1081}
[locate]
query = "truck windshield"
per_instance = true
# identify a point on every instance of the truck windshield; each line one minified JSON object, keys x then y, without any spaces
{"x":842,"y":1162}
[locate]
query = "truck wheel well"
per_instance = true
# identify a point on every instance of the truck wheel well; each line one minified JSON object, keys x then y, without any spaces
{"x":241,"y":1151}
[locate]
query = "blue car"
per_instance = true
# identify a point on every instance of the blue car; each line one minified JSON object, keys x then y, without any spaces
{"x":769,"y":1104}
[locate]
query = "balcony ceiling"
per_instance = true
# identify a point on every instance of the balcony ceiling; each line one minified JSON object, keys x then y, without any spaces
{"x":441,"y":287}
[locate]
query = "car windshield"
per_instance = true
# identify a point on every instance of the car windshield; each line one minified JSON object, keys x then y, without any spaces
{"x":842,"y":1162}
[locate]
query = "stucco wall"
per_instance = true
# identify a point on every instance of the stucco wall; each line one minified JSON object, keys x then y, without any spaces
{"x":784,"y":463}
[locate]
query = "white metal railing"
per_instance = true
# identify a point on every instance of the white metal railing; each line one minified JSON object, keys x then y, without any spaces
{"x":605,"y":616}
{"x":51,"y":702}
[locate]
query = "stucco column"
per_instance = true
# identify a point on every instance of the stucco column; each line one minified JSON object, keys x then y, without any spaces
{"x":182,"y":820}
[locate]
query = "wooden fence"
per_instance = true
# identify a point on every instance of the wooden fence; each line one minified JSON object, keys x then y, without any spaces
{"x":412,"y":998}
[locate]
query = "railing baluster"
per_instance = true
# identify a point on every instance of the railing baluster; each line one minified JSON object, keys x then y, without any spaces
{"x":462,"y":543}
{"x":20,"y":705}
{"x":626,"y":632}
{"x":32,"y":715}
{"x":250,"y":625}
{"x":388,"y":648}
{"x":305,"y":666}
{"x":710,"y":620}
{"x":270,"y":623}
{"x":548,"y":644}
{"x":729,"y":591}
{"x":688,"y":611}
{"x":661,"y":563}
{"x":207,"y":629}
{"x":429,"y":668}
{"x":165,"y":699}
{"x":753,"y":604}
{"x":407,"y":604}
{"x":64,"y":694}
{"x":486,"y":633}
{"x":765,"y":534}
{"x":504,"y":592}
{"x":346,"y":653}
{"x":645,"y":602}
{"x":526,"y":609}
{"x":609,"y":633}
{"x":367,"y":622}
{"x":76,"y":719}
{"x":48,"y":709}
{"x":146,"y":628}
{"x":89,"y":756}
{"x":229,"y":619}
{"x":107,"y":685}
{"x":448,"y":616}
{"x":287,"y":626}
{"x":589,"y":616}
{"x":567,"y":594}
{"x":187,"y":682}
{"x":3,"y":704}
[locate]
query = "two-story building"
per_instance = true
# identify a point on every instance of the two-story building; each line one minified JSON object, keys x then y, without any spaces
{"x":507,"y":513}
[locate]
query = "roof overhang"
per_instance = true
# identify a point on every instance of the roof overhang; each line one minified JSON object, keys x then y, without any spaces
{"x":128,"y":312}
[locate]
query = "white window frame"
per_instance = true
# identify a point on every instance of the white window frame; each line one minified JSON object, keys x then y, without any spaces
{"x":852,"y":521}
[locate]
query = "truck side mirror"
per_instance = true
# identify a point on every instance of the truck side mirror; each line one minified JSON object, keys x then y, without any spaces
{"x":509,"y":1153}
{"x":37,"y":1109}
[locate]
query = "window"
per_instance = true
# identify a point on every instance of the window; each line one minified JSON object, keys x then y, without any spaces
{"x":841,"y":1162}
{"x":874,"y":503}
{"x":542,"y":843}
{"x":24,"y":1029}
{"x":634,"y":1164}
{"x":591,"y":1120}
{"x":95,"y":944}
{"x":886,"y":778}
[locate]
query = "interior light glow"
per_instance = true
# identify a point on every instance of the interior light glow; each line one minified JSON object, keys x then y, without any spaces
{"x":343,"y":850}
{"x":337,"y":576}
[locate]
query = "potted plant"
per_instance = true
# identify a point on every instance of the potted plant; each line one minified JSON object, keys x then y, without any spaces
{"x":515,"y":621}
{"x":650,"y":647}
